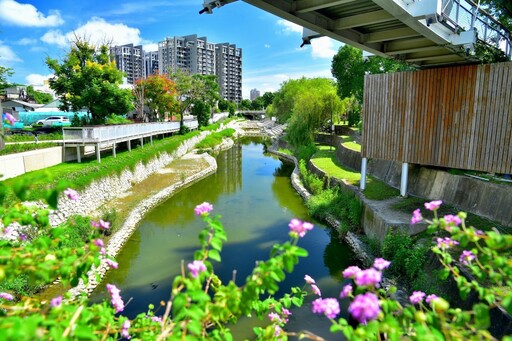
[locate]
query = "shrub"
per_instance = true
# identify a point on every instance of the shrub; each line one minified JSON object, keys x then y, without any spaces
{"x":312,"y":182}
{"x":407,"y":257}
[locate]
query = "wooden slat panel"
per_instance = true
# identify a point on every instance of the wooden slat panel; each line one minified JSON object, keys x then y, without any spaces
{"x":457,"y":117}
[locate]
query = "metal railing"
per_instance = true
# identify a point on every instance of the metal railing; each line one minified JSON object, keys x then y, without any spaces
{"x":121,"y":132}
{"x":466,"y":15}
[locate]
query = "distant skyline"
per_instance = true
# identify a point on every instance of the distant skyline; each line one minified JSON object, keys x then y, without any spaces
{"x":32,"y":30}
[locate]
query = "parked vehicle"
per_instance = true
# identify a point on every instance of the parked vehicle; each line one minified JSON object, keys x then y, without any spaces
{"x":53,"y":121}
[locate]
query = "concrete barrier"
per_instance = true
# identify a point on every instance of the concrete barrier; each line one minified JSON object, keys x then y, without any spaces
{"x":13,"y":165}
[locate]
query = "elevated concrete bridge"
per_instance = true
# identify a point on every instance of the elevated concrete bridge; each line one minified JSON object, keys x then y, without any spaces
{"x":426,"y":33}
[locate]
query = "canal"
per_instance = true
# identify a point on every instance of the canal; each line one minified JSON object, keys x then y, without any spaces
{"x":251,"y":190}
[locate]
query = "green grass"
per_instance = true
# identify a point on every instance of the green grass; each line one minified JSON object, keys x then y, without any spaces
{"x":80,"y":175}
{"x":285,"y":151}
{"x":348,"y":142}
{"x":25,"y":147}
{"x":214,"y":139}
{"x":31,"y":138}
{"x":326,"y":160}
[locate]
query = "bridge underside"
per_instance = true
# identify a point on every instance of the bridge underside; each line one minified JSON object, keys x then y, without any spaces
{"x":421,"y":33}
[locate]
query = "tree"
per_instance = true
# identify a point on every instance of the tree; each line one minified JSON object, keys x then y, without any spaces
{"x":5,"y":73}
{"x":202,"y":111}
{"x":86,"y":78}
{"x":191,"y":88}
{"x":257,"y":104}
{"x":267,"y":98}
{"x":158,"y":93}
{"x":223,"y":104}
{"x":245,"y":104}
{"x":38,"y":96}
{"x":349,"y":68}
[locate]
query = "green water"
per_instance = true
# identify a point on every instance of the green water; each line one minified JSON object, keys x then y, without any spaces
{"x":252,"y":192}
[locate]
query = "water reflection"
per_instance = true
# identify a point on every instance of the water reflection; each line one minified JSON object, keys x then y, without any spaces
{"x":252,"y":192}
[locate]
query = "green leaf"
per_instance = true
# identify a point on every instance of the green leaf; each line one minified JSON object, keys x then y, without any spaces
{"x":216,"y":243}
{"x":214,"y":255}
{"x":482,"y":317}
{"x":444,"y":273}
{"x":300,"y":252}
{"x":52,"y":199}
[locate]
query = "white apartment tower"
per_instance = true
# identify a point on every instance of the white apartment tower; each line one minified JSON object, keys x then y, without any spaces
{"x":229,"y":71}
{"x":255,"y":93}
{"x":198,"y":56}
{"x":150,"y":63}
{"x":130,"y":60}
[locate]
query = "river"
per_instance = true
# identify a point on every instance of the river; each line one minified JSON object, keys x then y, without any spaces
{"x":251,"y":190}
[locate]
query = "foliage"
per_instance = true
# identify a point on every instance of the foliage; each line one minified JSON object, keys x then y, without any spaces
{"x":310,"y":180}
{"x":158,"y":93}
{"x":38,"y":96}
{"x":267,"y":98}
{"x":406,"y":256}
{"x":30,"y":138}
{"x":86,"y":78}
{"x":214,"y":139}
{"x":231,"y":109}
{"x":257,"y":103}
{"x":25,"y":147}
{"x":349,"y":68}
{"x":117,"y":119}
{"x":244,"y":104}
{"x":501,"y":10}
{"x":202,"y":111}
{"x":5,"y":72}
{"x":223,"y":104}
{"x":354,"y":117}
{"x":192,"y":88}
{"x":77,"y":121}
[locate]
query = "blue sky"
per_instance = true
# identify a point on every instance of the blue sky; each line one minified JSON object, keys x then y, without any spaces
{"x":32,"y":30}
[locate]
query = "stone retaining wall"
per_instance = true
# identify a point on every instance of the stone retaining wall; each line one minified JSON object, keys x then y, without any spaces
{"x":106,"y":189}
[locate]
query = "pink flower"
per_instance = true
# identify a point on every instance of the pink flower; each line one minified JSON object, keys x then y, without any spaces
{"x":9,"y":119}
{"x":316,"y":290}
{"x":417,"y":297}
{"x":466,"y":257}
{"x":300,"y":228}
{"x":277,"y":330}
{"x":156,"y":319}
{"x":368,"y":277}
{"x":452,"y":219}
{"x":274,"y":317}
{"x":446,"y":243}
{"x":56,"y":302}
{"x":104,"y":224}
{"x":99,"y":242}
{"x":203,"y":209}
{"x":351,"y":271}
{"x":347,"y":291}
{"x":327,"y":306}
{"x":6,"y":296}
{"x":433,"y":205}
{"x":309,"y":279}
{"x":124,"y":331}
{"x":103,"y":251}
{"x":95,"y":223}
{"x":364,"y":307}
{"x":196,"y":267}
{"x":72,"y":194}
{"x":286,"y":312}
{"x":430,"y":298}
{"x":416,"y":216}
{"x":115,"y":298}
{"x":381,"y":264}
{"x":112,"y":263}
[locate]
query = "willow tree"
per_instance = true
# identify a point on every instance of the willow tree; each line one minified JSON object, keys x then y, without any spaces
{"x":86,"y":78}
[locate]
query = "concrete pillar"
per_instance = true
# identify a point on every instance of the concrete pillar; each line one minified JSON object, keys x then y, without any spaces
{"x":98,"y":157}
{"x":142,"y":142}
{"x":362,"y":183}
{"x":403,"y":181}
{"x":151,"y":139}
{"x":78,"y":156}
{"x":129,"y":145}
{"x":114,"y":149}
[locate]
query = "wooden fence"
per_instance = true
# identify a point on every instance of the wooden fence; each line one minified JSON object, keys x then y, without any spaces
{"x":456,"y":117}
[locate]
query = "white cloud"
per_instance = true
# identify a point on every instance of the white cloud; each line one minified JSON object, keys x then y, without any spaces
{"x":14,"y":13}
{"x":323,"y":47}
{"x":267,"y":46}
{"x":7,"y":55}
{"x":55,"y":37}
{"x":289,"y":27}
{"x":150,"y":47}
{"x":97,"y":31}
{"x":27,"y":41}
{"x":37,"y":79}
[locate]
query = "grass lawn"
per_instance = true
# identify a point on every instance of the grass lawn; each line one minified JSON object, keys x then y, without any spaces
{"x":348,"y":142}
{"x":325,"y":159}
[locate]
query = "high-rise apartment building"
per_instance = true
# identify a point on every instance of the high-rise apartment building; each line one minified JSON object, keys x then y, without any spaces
{"x":130,"y":60}
{"x":255,"y":93}
{"x":198,"y":56}
{"x":228,"y":69}
{"x":150,"y":63}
